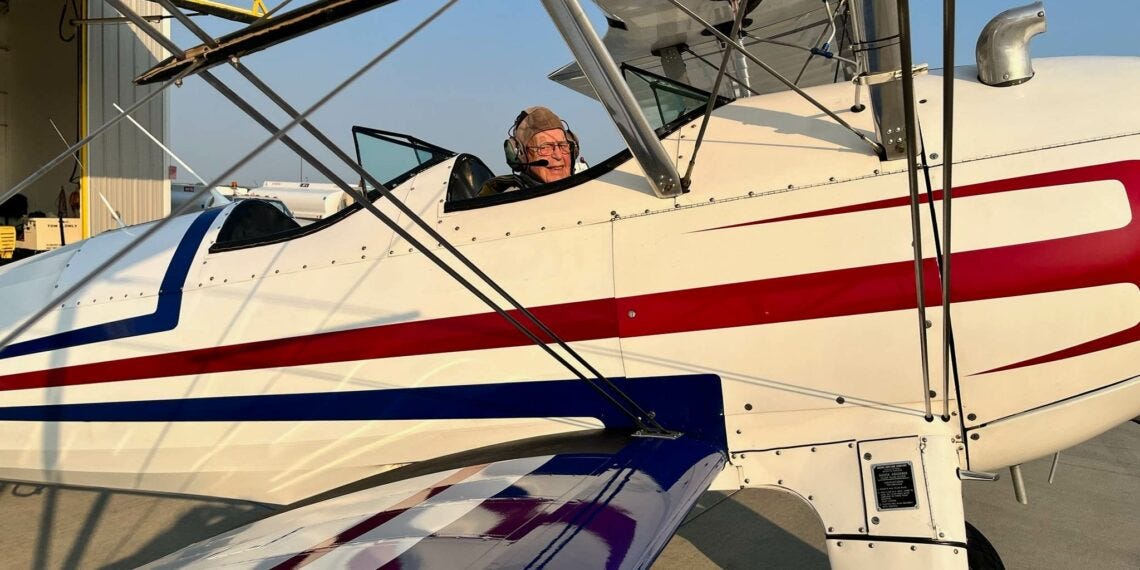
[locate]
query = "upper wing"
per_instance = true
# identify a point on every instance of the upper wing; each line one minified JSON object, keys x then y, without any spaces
{"x":779,"y":33}
{"x":593,"y":500}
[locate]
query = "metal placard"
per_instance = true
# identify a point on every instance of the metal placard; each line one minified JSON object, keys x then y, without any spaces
{"x":894,"y":486}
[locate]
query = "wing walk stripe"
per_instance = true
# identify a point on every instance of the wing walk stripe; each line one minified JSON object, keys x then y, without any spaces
{"x":311,"y":554}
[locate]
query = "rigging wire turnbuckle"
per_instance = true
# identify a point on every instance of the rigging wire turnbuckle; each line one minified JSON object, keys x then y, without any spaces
{"x":657,"y":433}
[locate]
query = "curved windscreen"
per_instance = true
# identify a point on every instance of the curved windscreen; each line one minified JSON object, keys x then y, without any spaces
{"x":392,"y":158}
{"x":661,"y":99}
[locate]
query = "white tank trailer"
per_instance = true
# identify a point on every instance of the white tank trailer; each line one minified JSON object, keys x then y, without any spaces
{"x":307,"y":200}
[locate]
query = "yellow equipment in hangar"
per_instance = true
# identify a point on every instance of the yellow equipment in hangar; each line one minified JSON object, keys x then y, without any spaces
{"x":256,"y":10}
{"x":7,"y":242}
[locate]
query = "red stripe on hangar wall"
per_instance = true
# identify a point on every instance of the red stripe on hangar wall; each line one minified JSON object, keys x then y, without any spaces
{"x":1091,"y":260}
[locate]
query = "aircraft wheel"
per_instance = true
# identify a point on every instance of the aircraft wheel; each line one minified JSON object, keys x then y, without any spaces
{"x":980,"y":553}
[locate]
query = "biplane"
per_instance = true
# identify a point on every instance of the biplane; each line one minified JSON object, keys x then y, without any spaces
{"x":817,"y":267}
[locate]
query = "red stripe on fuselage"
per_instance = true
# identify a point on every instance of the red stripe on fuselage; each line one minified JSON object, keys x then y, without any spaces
{"x":575,"y":321}
{"x":1091,"y":260}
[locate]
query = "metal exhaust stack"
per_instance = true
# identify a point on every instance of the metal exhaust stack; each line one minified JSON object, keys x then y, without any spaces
{"x":1003,"y":46}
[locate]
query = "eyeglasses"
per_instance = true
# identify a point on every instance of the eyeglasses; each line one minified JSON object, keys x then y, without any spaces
{"x":547,"y":149}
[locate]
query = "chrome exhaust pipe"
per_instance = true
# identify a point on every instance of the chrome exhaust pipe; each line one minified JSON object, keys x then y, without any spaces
{"x":1003,"y":46}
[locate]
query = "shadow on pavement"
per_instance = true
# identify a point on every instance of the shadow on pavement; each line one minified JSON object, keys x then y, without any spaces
{"x":729,"y":532}
{"x":50,"y":526}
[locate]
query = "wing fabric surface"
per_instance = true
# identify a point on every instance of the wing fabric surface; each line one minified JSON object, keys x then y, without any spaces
{"x":779,"y":33}
{"x":611,"y":506}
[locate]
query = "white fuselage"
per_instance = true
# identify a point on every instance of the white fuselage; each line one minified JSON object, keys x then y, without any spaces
{"x":786,"y":271}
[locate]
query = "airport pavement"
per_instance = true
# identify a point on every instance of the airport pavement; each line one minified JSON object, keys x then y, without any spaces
{"x":1086,"y":519}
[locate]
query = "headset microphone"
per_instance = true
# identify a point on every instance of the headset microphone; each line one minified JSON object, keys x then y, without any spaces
{"x":539,"y":162}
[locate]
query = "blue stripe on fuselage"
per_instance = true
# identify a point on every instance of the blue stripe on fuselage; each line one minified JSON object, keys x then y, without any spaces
{"x":165,"y":315}
{"x":692,"y":404}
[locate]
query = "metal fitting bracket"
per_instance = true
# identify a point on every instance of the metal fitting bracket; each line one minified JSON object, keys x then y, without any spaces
{"x":888,"y":76}
{"x":965,"y":475}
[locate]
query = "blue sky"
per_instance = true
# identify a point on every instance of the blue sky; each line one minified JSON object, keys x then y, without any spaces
{"x":463,"y":79}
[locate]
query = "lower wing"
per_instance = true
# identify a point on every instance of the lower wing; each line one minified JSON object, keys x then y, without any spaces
{"x":591,"y":500}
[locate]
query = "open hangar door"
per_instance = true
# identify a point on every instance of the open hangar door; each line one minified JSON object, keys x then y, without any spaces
{"x":63,"y":62}
{"x":39,"y":87}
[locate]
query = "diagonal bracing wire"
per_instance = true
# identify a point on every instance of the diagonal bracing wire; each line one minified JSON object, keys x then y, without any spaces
{"x":690,"y":51}
{"x":878,"y":148}
{"x":738,"y":18}
{"x":638,"y":414}
{"x":94,"y":134}
{"x":811,"y":54}
{"x":114,"y":258}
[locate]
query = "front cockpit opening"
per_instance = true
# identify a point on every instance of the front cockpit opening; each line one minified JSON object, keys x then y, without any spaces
{"x":254,"y":222}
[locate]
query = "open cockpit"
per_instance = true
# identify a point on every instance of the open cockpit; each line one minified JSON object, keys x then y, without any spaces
{"x":396,"y":158}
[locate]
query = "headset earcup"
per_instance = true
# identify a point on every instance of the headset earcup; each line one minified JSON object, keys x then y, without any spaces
{"x":577,"y":148}
{"x":511,"y":150}
{"x":511,"y":153}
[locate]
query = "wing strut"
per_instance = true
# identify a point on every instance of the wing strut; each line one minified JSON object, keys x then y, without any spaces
{"x":912,"y":179}
{"x":615,"y":95}
{"x":947,"y":186}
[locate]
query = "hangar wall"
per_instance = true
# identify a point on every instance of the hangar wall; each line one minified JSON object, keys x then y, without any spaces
{"x":124,"y":166}
{"x":55,"y":71}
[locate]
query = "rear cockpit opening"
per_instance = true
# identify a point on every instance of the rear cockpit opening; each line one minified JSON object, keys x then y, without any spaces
{"x":253,"y":222}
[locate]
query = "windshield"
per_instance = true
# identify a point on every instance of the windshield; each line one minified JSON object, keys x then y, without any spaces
{"x":392,"y":158}
{"x":661,"y":99}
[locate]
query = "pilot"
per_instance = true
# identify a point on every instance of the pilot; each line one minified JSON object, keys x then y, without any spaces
{"x":540,"y":149}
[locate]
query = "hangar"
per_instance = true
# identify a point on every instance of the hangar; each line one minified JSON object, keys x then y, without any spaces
{"x":63,"y":65}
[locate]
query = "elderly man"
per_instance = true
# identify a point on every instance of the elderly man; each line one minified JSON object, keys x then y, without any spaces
{"x":540,"y":149}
